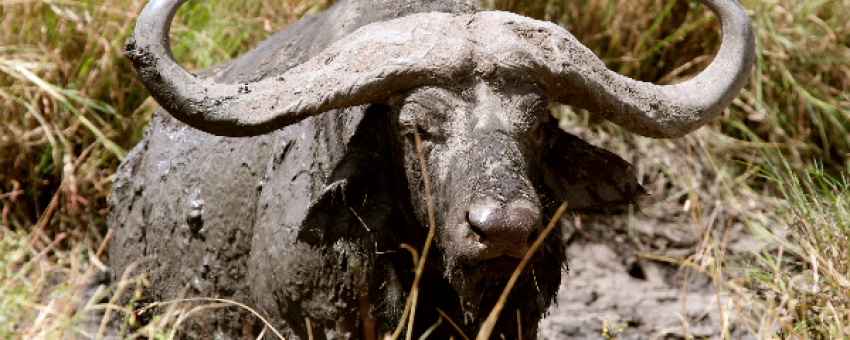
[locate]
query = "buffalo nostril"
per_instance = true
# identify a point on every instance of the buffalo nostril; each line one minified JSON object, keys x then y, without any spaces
{"x":473,"y":225}
{"x":505,"y":229}
{"x":524,"y":215}
{"x":486,"y":218}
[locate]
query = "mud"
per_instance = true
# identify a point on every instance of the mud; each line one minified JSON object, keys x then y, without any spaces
{"x":611,"y":292}
{"x":615,"y":290}
{"x":642,"y":298}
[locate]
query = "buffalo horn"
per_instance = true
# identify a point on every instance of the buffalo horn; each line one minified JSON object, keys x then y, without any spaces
{"x":384,"y":59}
{"x":367,"y":66}
{"x":658,"y":111}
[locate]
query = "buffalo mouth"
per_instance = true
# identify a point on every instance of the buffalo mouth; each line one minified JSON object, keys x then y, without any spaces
{"x":480,"y":284}
{"x":503,"y":267}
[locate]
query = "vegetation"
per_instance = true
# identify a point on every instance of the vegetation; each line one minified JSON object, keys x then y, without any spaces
{"x":776,"y":162}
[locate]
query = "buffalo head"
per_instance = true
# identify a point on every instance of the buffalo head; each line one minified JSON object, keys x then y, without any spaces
{"x":476,"y":88}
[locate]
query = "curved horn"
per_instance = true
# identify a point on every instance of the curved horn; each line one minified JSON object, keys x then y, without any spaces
{"x":575,"y":76}
{"x":369,"y":66}
{"x":671,"y":111}
{"x":387,"y":58}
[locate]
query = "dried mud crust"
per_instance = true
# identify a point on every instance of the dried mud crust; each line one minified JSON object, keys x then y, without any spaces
{"x":644,"y":299}
{"x":610,"y":290}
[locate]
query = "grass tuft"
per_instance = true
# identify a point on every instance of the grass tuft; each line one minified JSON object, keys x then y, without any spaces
{"x":807,"y":279}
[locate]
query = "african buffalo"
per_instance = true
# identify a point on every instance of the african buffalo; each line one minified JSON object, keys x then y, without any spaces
{"x":288,"y":178}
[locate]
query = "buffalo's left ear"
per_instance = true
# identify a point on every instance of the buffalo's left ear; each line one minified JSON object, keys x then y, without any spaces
{"x":357,"y":200}
{"x":588,"y":178}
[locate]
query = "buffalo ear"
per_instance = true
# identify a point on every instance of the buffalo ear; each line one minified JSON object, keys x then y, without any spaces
{"x":347,"y":208}
{"x":357,"y":201}
{"x":588,"y":178}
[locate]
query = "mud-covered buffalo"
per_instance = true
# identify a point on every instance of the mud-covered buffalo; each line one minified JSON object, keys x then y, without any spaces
{"x":288,"y":179}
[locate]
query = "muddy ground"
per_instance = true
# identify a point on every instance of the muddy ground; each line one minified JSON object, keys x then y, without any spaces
{"x":616,"y":284}
{"x":611,"y":290}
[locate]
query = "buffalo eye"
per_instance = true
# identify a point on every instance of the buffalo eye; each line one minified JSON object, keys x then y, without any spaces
{"x":422,"y":132}
{"x":423,"y":119}
{"x":538,"y":132}
{"x":427,"y":132}
{"x":539,"y":113}
{"x":428,"y":135}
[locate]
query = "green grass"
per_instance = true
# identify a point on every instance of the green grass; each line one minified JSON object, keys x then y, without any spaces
{"x":776,"y":162}
{"x":796,"y":284}
{"x":809,"y":275}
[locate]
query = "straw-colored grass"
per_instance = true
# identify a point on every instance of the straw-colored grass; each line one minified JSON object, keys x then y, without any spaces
{"x":774,"y":164}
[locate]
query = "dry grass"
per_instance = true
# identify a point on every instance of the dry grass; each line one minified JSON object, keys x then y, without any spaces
{"x":41,"y":285}
{"x":772,"y":166}
{"x":800,"y":285}
{"x":71,"y":103}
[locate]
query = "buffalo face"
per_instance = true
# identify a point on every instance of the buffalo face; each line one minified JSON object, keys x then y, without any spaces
{"x":484,"y":148}
{"x":499,"y":167}
{"x":496,"y":160}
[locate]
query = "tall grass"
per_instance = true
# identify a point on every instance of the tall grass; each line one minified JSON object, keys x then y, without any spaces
{"x":71,"y":104}
{"x":805,"y":284}
{"x":797,"y":283}
{"x":775,"y":161}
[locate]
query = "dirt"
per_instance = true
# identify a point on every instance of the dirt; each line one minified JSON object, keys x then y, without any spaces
{"x":615,"y":282}
{"x":610,"y":292}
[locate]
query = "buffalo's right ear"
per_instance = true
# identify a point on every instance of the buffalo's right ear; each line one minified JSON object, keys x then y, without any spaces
{"x":358,"y":200}
{"x":588,"y":178}
{"x":348,"y":208}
